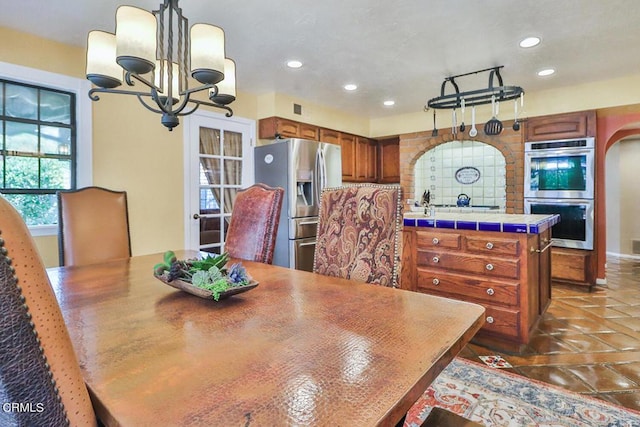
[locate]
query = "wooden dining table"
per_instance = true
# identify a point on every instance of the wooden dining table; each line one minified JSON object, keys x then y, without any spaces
{"x":299,"y":349}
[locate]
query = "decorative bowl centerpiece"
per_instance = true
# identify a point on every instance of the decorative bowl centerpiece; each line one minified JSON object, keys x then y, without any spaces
{"x":207,"y":278}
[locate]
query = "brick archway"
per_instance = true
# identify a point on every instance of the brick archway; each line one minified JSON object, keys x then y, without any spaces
{"x":509,"y":143}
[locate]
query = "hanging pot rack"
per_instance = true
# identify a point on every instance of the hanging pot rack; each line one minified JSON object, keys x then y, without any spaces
{"x":474,"y":97}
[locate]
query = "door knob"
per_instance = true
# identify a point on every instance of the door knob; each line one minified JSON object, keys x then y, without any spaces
{"x":196,"y":216}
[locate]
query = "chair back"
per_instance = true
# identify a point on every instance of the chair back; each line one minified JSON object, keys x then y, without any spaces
{"x":358,"y":233}
{"x":38,"y":365}
{"x":254,"y":223}
{"x":93,"y":226}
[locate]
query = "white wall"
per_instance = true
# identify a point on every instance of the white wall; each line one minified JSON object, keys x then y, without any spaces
{"x":622,"y":196}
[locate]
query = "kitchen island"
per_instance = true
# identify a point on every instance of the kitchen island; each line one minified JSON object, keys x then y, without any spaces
{"x":501,"y":261}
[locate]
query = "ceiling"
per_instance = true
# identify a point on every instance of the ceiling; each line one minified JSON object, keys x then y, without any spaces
{"x":394,"y":49}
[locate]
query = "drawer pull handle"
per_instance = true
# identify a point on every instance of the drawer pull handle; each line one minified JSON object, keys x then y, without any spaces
{"x":489,"y":319}
{"x":489,"y":245}
{"x":435,"y":241}
{"x":435,"y":282}
{"x":436,"y":259}
{"x":490,"y":291}
{"x":489,"y":267}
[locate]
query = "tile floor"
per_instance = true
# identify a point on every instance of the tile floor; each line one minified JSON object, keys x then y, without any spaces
{"x":587,"y":342}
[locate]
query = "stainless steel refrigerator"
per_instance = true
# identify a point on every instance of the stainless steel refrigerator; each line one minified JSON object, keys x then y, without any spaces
{"x":303,"y":168}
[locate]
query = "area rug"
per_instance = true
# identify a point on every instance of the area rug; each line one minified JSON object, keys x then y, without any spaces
{"x":496,"y":398}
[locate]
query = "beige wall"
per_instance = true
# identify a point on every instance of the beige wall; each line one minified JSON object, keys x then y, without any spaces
{"x":623,"y":201}
{"x":133,"y":152}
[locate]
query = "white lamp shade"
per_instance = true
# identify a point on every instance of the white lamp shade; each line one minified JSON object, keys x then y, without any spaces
{"x":175,"y":80}
{"x":207,"y":53}
{"x":227,"y":87}
{"x":135,"y":39}
{"x":102,"y":68}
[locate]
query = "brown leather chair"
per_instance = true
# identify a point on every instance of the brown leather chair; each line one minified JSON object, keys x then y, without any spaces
{"x":37,"y":363}
{"x":359,"y":232}
{"x":254,"y":223}
{"x":93,"y":226}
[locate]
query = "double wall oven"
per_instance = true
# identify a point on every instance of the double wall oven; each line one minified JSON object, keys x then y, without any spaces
{"x":559,"y":179}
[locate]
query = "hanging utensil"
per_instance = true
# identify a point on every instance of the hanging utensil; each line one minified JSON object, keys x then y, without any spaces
{"x":493,"y":126}
{"x":473,"y":132}
{"x":516,"y":125}
{"x":454,"y":126}
{"x":462,"y":126}
{"x":435,"y":129}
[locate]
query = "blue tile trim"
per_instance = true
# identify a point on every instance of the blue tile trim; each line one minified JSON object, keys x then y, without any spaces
{"x":445,"y":223}
{"x":533,"y":228}
{"x":490,"y":226}
{"x":466,"y":225}
{"x":426,"y":223}
{"x":514,"y":228}
{"x":409,"y":222}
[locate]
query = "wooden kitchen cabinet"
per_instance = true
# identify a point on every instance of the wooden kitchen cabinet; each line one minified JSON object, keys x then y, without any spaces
{"x":366,"y":160}
{"x":273,"y":127}
{"x":389,"y":160}
{"x":348,"y":149}
{"x":507,"y":273}
{"x":561,"y":126}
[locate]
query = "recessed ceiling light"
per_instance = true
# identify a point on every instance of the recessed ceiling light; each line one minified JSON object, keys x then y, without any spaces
{"x":350,"y":87}
{"x":546,"y":72}
{"x":294,"y":64}
{"x":530,"y":42}
{"x":389,"y":103}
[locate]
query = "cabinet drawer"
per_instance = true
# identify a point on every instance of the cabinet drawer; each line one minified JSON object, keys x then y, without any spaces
{"x":434,"y":239}
{"x":476,"y":264}
{"x":468,"y":288}
{"x":495,"y":246}
{"x":501,"y":321}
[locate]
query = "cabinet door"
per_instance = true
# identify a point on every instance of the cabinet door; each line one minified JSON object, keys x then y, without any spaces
{"x":308,"y":131}
{"x":389,"y":160}
{"x":365,"y":161}
{"x":371,"y":162}
{"x":561,"y":126}
{"x":348,"y":144}
{"x":330,"y":136}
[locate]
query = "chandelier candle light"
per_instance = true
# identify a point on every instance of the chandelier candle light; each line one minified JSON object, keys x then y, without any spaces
{"x":144,"y":49}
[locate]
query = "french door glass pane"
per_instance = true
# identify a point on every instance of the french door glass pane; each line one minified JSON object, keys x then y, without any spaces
{"x":232,"y":144}
{"x":233,"y":172}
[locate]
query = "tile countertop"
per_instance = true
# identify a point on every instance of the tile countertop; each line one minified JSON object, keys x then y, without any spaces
{"x":507,"y":223}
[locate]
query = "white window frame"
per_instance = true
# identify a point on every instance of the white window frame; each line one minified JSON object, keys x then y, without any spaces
{"x":84,"y":140}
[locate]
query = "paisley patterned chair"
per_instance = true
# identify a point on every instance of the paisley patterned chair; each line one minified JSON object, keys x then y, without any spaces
{"x":358,"y":233}
{"x":38,"y":366}
{"x":254,"y":223}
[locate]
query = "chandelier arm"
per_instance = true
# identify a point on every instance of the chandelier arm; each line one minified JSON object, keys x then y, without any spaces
{"x":118,"y":91}
{"x":147,"y":106}
{"x":128,"y":75}
{"x":229,"y":112}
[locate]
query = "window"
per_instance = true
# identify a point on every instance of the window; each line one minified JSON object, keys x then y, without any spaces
{"x":37,"y":148}
{"x":45,"y":141}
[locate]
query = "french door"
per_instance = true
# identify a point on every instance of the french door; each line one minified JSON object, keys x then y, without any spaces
{"x":218,"y":163}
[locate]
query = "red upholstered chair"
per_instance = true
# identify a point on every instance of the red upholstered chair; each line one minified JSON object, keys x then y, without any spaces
{"x":37,"y":361}
{"x":93,"y":226}
{"x":358,"y":233}
{"x":254,"y":223}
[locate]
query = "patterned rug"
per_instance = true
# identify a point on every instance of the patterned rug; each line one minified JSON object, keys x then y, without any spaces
{"x":496,"y":398}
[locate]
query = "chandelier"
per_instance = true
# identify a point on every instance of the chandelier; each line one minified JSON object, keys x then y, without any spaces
{"x":144,"y":49}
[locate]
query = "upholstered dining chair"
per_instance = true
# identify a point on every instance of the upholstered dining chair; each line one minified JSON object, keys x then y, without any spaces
{"x":93,"y":226}
{"x":358,"y":233}
{"x":254,"y":223}
{"x":38,"y":366}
